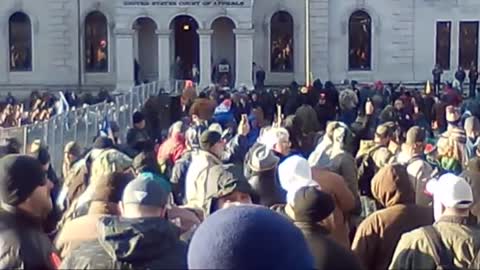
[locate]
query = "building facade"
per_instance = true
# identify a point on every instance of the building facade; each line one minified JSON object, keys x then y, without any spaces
{"x":113,"y":43}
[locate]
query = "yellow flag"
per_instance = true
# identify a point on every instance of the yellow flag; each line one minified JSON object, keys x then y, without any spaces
{"x":428,"y":88}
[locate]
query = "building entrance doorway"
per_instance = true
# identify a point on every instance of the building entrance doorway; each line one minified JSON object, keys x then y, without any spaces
{"x":223,"y":52}
{"x":145,"y":50}
{"x":186,"y":48}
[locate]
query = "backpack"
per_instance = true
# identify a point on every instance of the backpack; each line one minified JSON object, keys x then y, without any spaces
{"x":442,"y":255}
{"x":366,"y":169}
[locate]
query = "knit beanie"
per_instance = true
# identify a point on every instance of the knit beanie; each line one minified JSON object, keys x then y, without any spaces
{"x":20,"y":175}
{"x":248,"y":237}
{"x":312,"y":205}
{"x":137,"y":117}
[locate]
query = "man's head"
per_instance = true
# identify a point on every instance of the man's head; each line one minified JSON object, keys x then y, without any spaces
{"x":384,"y":133}
{"x":399,"y":105}
{"x":453,"y":115}
{"x":212,"y":142}
{"x":415,"y":140}
{"x":232,"y":187}
{"x":278,"y":140}
{"x":109,"y":191}
{"x":472,"y":127}
{"x":143,"y":198}
{"x":294,"y":173}
{"x":452,"y":195}
{"x":311,"y":205}
{"x":72,"y":151}
{"x":43,"y":156}
{"x":138,"y":120}
{"x":24,"y":185}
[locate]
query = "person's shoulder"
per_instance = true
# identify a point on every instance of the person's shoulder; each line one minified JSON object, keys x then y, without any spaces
{"x":87,"y":255}
{"x":414,"y":236}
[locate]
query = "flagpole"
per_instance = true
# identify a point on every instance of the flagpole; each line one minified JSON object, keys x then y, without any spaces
{"x":307,"y":42}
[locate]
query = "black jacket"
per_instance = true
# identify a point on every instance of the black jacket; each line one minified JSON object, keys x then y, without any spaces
{"x":23,"y":243}
{"x":146,"y":243}
{"x":460,"y":75}
{"x":327,"y":253}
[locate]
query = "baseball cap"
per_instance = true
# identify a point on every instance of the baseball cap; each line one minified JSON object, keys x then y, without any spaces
{"x":415,"y":135}
{"x":452,"y":191}
{"x":145,"y":192}
{"x":209,"y":138}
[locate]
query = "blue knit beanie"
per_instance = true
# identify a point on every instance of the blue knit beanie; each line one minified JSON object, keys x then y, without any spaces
{"x":248,"y":237}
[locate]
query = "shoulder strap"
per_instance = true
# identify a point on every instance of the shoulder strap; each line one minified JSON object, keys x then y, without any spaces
{"x":441,"y":255}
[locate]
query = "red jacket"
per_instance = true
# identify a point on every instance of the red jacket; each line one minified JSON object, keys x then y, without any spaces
{"x":172,"y":149}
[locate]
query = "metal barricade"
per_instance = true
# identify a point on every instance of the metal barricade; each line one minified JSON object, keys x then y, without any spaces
{"x":81,"y":124}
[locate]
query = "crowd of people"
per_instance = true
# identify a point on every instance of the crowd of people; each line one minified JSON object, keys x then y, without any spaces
{"x":42,"y":106}
{"x":364,"y":177}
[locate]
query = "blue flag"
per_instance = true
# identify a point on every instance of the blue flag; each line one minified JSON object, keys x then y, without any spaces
{"x":104,"y":129}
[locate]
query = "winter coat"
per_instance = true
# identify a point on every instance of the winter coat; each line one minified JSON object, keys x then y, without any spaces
{"x":472,"y":175}
{"x":135,"y":137}
{"x":460,"y":75}
{"x":144,"y":243}
{"x":81,"y":229}
{"x":460,"y":235}
{"x":328,"y":254}
{"x":171,"y":150}
{"x":201,"y":161}
{"x":419,"y":173}
{"x":179,"y":175}
{"x":437,"y":74}
{"x":378,"y":235}
{"x":24,"y":244}
{"x":438,"y":112}
{"x":452,"y":149}
{"x":335,"y":186}
{"x":344,"y":165}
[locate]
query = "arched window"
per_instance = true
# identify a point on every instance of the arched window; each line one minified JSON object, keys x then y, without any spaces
{"x":281,"y":42}
{"x":20,"y":41}
{"x":96,"y":42}
{"x":360,"y":41}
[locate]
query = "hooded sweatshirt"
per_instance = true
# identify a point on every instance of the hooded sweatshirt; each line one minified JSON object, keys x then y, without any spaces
{"x":142,"y":243}
{"x":378,"y":235}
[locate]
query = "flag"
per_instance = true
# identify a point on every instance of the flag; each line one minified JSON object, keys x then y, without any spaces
{"x":104,"y":129}
{"x":65,"y":107}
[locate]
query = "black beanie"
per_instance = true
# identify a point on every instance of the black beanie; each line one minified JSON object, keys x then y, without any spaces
{"x":42,"y":155}
{"x":312,"y":205}
{"x":138,"y":117}
{"x":20,"y":175}
{"x":208,"y":139}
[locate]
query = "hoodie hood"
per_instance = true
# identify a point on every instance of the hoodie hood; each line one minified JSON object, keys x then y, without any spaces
{"x":134,"y":240}
{"x":391,"y":186}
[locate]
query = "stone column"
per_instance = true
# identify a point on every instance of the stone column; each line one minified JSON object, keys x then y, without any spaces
{"x":164,"y":70}
{"x":124,"y":54}
{"x":205,"y":38}
{"x":4,"y":52}
{"x":244,"y":57}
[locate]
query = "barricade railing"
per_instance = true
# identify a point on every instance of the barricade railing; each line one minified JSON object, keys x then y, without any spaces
{"x":81,"y":124}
